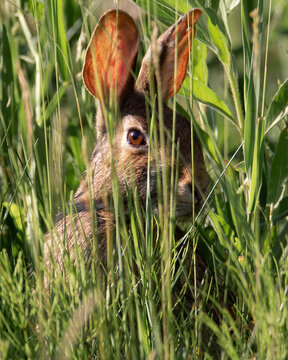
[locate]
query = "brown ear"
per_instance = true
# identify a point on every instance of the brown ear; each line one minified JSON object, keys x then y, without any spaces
{"x":178,"y":38}
{"x":111,"y":55}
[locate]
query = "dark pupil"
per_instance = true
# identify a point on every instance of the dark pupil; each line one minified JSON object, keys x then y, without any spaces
{"x":135,"y":134}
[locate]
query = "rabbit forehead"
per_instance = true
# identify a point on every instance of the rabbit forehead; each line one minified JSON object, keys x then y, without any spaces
{"x":134,"y":122}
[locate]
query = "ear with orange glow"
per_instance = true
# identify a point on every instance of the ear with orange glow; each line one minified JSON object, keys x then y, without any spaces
{"x":111,"y":55}
{"x":177,"y":39}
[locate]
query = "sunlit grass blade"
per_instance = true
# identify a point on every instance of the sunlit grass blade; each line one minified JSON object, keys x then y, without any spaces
{"x":249,"y":127}
{"x":59,"y":32}
{"x":257,"y":166}
{"x":219,"y":38}
{"x":207,"y":96}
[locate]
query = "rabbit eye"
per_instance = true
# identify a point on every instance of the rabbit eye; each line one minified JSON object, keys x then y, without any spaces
{"x":136,"y":138}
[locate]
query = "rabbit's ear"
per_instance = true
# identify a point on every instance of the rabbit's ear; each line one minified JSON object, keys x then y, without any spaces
{"x":111,"y":56}
{"x":177,"y":39}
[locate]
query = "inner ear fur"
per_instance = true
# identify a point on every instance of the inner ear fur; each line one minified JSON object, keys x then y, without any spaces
{"x":174,"y":43}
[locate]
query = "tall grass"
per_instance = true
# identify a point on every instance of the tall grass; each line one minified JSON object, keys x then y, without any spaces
{"x":135,"y":308}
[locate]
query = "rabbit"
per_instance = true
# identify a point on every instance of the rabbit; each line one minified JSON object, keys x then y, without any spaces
{"x":108,"y":74}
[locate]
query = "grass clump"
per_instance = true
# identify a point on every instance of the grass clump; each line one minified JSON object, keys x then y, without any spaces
{"x":142,"y":303}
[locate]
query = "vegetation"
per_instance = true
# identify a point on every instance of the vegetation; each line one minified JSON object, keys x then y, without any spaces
{"x":236,"y":95}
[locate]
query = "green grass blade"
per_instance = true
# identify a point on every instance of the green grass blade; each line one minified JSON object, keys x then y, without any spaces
{"x":58,"y":31}
{"x":279,"y":169}
{"x":257,"y":166}
{"x":7,"y":80}
{"x":278,"y":108}
{"x":219,"y":38}
{"x":207,"y":96}
{"x":246,"y":49}
{"x":222,"y":48}
{"x":249,"y":126}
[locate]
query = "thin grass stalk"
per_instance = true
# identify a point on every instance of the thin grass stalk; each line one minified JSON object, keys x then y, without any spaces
{"x":36,"y":57}
{"x":266,"y":61}
{"x":194,"y":244}
{"x":31,"y":203}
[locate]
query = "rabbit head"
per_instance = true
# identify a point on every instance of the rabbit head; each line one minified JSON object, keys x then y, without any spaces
{"x":108,"y":74}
